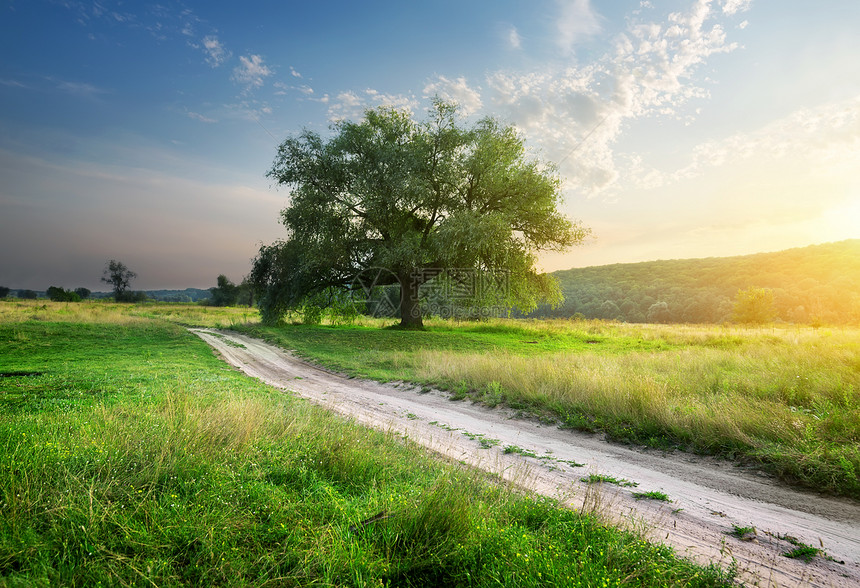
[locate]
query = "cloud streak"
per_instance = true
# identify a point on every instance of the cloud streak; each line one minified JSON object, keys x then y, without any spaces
{"x":577,"y":21}
{"x":514,"y":39}
{"x":199,"y":117}
{"x":827,"y":135}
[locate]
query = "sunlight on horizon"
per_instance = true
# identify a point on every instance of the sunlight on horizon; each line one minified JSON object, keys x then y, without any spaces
{"x":842,"y":222}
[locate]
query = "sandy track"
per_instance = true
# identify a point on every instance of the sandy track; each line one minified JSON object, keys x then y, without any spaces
{"x":708,"y":496}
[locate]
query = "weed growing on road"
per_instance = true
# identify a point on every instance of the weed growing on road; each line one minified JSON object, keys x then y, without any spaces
{"x":804,"y":552}
{"x":484,"y":441}
{"x":601,"y":478}
{"x":652,"y":495}
{"x":743,"y":533}
{"x":519,"y":450}
{"x":801,"y":550}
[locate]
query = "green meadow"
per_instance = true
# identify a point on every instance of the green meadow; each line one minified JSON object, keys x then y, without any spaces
{"x":131,"y":456}
{"x":783,"y":399}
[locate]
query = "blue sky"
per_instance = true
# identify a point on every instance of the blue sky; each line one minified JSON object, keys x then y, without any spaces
{"x":682,"y":128}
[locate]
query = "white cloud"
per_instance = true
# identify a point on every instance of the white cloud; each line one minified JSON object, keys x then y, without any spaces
{"x":294,"y":73}
{"x":215,"y":52}
{"x":350,"y":105}
{"x":251,"y":72}
{"x":457,"y":91}
{"x":347,"y":105}
{"x":733,"y":6}
{"x":514,"y":39}
{"x":577,"y":20}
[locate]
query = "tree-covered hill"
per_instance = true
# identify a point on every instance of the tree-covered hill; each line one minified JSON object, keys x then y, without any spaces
{"x":819,"y":284}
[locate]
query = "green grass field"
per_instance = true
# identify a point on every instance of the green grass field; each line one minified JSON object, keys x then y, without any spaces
{"x":784,"y":399}
{"x":131,"y":456}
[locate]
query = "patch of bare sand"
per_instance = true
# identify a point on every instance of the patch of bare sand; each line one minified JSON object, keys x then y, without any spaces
{"x":708,"y":496}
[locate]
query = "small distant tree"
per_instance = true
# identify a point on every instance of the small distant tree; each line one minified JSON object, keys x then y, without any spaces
{"x":138,"y":296}
{"x":58,"y":294}
{"x":754,"y":306}
{"x":119,"y":277}
{"x":246,"y":293}
{"x":609,"y":310}
{"x":84,"y":293}
{"x":4,"y":291}
{"x":28,"y":294}
{"x":226,"y":293}
{"x":659,"y":313}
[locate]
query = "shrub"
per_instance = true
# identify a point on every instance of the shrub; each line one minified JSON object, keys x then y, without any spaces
{"x":58,"y":294}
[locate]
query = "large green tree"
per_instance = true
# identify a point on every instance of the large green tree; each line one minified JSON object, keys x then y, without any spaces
{"x":421,"y":201}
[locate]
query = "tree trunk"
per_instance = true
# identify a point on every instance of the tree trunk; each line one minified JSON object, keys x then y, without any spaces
{"x":410,"y":309}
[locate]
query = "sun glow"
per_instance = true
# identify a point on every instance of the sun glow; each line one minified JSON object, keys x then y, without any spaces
{"x":842,"y":221}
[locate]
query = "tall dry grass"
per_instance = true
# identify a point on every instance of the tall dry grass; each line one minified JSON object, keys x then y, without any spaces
{"x":106,"y":312}
{"x":18,"y":311}
{"x":789,"y":398}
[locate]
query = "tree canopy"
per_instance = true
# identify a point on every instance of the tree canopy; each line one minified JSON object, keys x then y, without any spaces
{"x":58,"y":294}
{"x":754,"y":306}
{"x":414,"y":203}
{"x":226,"y":293}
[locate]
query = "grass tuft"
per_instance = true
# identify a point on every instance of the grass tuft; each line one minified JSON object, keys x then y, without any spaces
{"x":601,"y":479}
{"x":652,"y":495}
{"x":743,"y":533}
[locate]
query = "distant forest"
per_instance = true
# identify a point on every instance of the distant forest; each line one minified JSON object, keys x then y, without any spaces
{"x":819,"y":284}
{"x":186,"y":295}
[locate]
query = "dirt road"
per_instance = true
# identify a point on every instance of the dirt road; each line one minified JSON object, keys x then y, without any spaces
{"x":708,"y":496}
